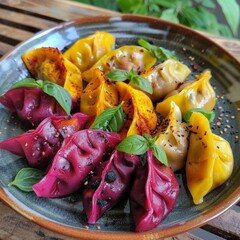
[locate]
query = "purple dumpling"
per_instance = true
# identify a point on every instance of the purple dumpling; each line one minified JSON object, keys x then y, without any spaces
{"x":78,"y":156}
{"x":32,"y":105}
{"x":39,"y":146}
{"x":154,"y":193}
{"x":110,"y":182}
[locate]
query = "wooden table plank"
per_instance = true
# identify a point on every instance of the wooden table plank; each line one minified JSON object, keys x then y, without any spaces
{"x":58,"y":9}
{"x":21,"y":18}
{"x":14,"y":33}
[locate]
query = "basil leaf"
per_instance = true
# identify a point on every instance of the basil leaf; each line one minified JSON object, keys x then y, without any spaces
{"x":160,"y":53}
{"x":210,"y":115}
{"x":111,"y":120}
{"x":136,"y":80}
{"x":117,"y":75}
{"x":134,"y":144}
{"x":26,"y":178}
{"x":61,"y":95}
{"x":28,"y":82}
{"x":140,"y":82}
{"x":160,"y":154}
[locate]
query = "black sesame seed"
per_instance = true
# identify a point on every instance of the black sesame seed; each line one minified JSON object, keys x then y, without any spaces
{"x":110,"y":177}
{"x":102,"y":203}
{"x":95,"y":183}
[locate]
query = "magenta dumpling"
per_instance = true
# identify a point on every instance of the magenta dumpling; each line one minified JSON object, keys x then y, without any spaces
{"x":39,"y":146}
{"x":32,"y":105}
{"x":110,"y":182}
{"x":78,"y":156}
{"x":154,"y":193}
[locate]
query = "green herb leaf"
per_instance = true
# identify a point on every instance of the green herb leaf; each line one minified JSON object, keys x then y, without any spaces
{"x":210,"y":115}
{"x":231,"y":12}
{"x":28,"y":82}
{"x":160,"y":53}
{"x":136,"y":80}
{"x":117,"y":75}
{"x":134,"y":144}
{"x":61,"y":95}
{"x":111,"y":120}
{"x":26,"y":178}
{"x":160,"y":154}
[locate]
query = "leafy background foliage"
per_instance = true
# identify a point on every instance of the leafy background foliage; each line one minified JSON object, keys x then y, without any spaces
{"x":219,"y":17}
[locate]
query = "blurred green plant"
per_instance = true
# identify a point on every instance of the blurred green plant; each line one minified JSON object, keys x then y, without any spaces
{"x":197,"y":14}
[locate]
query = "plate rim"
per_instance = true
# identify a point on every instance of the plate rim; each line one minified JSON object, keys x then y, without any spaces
{"x":207,"y":216}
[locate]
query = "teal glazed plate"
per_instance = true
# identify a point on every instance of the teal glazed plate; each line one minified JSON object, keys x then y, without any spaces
{"x":66,"y":215}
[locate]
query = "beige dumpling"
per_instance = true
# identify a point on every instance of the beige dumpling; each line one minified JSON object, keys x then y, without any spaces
{"x":172,"y":138}
{"x":165,"y":77}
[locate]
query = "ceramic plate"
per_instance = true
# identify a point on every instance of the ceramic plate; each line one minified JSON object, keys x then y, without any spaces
{"x":65,"y":215}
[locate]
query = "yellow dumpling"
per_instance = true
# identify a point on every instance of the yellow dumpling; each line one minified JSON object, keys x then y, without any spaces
{"x":209,"y":160}
{"x":172,"y":137}
{"x":124,"y":58}
{"x":141,"y":118}
{"x":87,"y":51}
{"x":47,"y":63}
{"x":165,"y":77}
{"x":98,"y":95}
{"x":198,"y":94}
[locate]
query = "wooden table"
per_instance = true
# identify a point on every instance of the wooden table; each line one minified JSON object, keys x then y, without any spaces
{"x":21,"y":19}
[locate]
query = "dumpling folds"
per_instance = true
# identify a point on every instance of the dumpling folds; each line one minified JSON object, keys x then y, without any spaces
{"x":109,"y":184}
{"x":154,"y":193}
{"x":141,"y":118}
{"x":40,"y":145}
{"x":209,"y":161}
{"x":32,"y":105}
{"x":165,"y":77}
{"x":199,"y":94}
{"x":124,"y":58}
{"x":99,"y":95}
{"x":173,"y":138}
{"x":48,"y":63}
{"x":77,"y":157}
{"x":87,"y":51}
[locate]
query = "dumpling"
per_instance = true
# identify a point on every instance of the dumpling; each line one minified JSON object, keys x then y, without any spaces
{"x":124,"y":58}
{"x":77,"y":157}
{"x":165,"y":77}
{"x":199,"y":94}
{"x":98,"y":95}
{"x":87,"y":51}
{"x":154,"y":193}
{"x":108,"y":185}
{"x":141,"y":118}
{"x":32,"y":105}
{"x":173,"y":138}
{"x":47,"y":63}
{"x":40,"y":145}
{"x":209,"y":161}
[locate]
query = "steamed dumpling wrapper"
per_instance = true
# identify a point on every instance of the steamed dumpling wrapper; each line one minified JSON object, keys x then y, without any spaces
{"x":98,"y":95}
{"x":165,"y":77}
{"x":173,"y":138}
{"x":47,"y":63}
{"x":154,"y":193}
{"x":32,"y":105}
{"x":39,"y":146}
{"x":109,"y":184}
{"x":141,"y":118}
{"x":87,"y":51}
{"x":77,"y":157}
{"x":124,"y":58}
{"x":209,"y":161}
{"x":199,"y":94}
